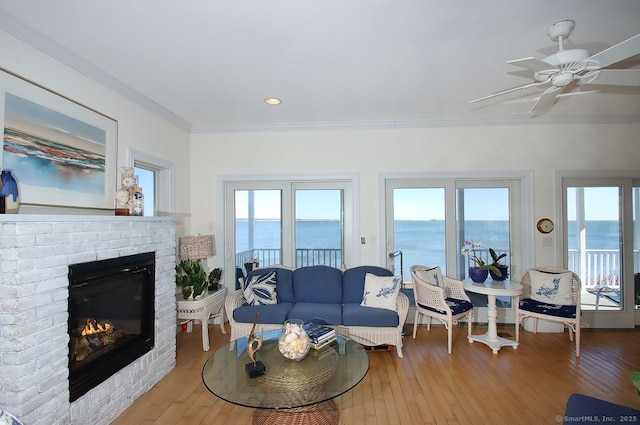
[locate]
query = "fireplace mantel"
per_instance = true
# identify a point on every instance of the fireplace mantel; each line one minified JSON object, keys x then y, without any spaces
{"x":35,"y":252}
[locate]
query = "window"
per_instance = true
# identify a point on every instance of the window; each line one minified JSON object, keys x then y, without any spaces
{"x":600,"y":244}
{"x":293,"y":223}
{"x":155,"y":177}
{"x":429,"y":220}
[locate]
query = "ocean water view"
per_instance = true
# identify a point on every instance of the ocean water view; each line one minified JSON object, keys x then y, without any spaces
{"x":421,"y":242}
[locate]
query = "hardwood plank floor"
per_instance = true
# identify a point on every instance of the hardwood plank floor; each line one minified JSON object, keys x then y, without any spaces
{"x":529,"y":385}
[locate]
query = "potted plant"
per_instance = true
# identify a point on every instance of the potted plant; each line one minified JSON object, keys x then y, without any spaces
{"x":214,"y":279}
{"x":480,"y":271}
{"x":191,"y":278}
{"x":503,"y":269}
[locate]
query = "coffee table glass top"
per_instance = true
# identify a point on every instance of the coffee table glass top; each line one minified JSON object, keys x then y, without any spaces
{"x":323,"y":375}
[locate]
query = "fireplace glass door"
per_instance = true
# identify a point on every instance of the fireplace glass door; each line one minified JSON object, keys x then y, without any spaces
{"x":111,"y":314}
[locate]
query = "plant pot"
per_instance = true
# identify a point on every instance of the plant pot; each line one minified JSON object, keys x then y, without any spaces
{"x":503,"y":270}
{"x":477,"y":274}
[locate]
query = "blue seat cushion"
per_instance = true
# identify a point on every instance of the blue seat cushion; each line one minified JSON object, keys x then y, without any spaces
{"x":353,"y":314}
{"x":353,"y":282}
{"x":273,"y":313}
{"x":558,"y":310}
{"x":318,"y":284}
{"x":457,"y":306}
{"x":328,"y":314}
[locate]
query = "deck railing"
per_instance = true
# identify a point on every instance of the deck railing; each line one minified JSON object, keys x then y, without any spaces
{"x":597,"y":266}
{"x":304,"y":257}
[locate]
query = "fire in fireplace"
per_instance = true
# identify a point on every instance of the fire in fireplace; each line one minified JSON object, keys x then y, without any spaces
{"x":111,"y":318}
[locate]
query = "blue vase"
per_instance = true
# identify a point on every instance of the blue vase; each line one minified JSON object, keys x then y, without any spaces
{"x":504,"y":273}
{"x":9,"y":192}
{"x":477,"y":274}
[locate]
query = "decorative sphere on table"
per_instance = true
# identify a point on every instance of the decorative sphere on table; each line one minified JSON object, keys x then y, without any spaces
{"x":294,"y":342}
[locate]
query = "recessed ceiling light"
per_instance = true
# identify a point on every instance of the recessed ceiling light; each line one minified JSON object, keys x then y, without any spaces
{"x":272,"y":101}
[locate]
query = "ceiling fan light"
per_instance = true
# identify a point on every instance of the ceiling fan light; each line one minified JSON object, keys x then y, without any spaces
{"x":272,"y":101}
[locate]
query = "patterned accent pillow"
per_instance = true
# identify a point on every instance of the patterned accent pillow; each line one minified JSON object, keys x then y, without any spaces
{"x":432,"y":276}
{"x":260,"y":289}
{"x":381,"y":291}
{"x":552,"y":288}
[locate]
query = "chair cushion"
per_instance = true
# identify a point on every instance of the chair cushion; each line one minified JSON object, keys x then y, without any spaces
{"x":353,"y":314}
{"x":457,"y":306}
{"x":274,"y":313}
{"x":260,"y":289}
{"x":558,"y":310}
{"x":380,"y":291}
{"x":353,"y":282}
{"x":328,"y":314}
{"x":432,"y":276}
{"x":553,"y":288}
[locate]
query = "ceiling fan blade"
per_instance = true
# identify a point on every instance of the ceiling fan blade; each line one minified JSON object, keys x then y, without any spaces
{"x":532,"y":64}
{"x":546,"y":100}
{"x":526,"y":86}
{"x":616,"y":77}
{"x":620,"y":51}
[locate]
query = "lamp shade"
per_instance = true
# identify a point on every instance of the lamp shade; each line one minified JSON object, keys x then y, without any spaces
{"x":9,"y":185}
{"x":197,"y":247}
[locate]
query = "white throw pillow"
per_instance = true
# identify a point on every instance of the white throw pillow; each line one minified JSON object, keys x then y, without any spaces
{"x":260,"y":289}
{"x":432,"y":276}
{"x":381,"y":291}
{"x":552,"y":288}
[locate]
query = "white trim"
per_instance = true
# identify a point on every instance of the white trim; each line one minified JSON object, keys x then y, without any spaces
{"x":165,"y":172}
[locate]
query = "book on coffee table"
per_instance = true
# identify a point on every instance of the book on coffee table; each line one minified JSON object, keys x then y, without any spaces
{"x":318,"y":333}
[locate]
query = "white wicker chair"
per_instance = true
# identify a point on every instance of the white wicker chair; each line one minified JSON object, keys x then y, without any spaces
{"x":431,"y":302}
{"x":570,"y":317}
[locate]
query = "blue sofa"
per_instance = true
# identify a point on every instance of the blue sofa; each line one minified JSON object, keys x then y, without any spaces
{"x":323,"y":294}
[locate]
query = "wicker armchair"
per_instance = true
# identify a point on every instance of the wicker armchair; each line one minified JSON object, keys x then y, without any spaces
{"x":446,"y":302}
{"x":569,"y":315}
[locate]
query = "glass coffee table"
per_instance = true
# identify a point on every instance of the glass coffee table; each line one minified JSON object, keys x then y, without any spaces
{"x":289,"y":392}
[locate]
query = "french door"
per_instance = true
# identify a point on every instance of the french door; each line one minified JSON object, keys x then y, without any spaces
{"x":290,"y":223}
{"x":600,"y":243}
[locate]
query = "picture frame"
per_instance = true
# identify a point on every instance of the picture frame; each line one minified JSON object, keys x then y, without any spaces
{"x":62,"y":153}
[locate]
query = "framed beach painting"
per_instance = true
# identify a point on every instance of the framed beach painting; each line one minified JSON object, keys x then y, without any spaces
{"x":62,"y":153}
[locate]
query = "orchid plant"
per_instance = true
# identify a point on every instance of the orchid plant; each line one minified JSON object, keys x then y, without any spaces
{"x":469,"y":250}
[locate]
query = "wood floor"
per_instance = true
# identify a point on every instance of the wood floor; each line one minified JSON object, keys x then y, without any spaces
{"x":529,"y":385}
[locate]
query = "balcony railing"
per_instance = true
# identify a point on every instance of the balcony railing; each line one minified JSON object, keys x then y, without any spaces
{"x":599,"y":267}
{"x":304,"y":257}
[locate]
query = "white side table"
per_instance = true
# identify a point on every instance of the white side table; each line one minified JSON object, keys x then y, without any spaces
{"x":491,"y":288}
{"x":209,"y":306}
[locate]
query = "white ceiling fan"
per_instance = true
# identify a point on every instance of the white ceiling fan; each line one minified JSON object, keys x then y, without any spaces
{"x":564,"y":67}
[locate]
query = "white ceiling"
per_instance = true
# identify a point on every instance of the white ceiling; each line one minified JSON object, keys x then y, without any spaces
{"x":208,"y":65}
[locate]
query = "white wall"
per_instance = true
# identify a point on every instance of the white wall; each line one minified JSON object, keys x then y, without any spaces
{"x":138,"y":128}
{"x":536,"y":148}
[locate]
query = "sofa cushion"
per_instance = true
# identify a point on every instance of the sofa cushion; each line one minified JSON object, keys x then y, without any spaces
{"x":284,"y":282}
{"x":353,"y":314}
{"x":260,"y":289}
{"x":274,"y":313}
{"x":381,"y":291}
{"x":328,"y":314}
{"x":353,"y":281}
{"x":318,"y":284}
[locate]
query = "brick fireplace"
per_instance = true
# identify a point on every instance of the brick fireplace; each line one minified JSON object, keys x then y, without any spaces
{"x":35,"y":254}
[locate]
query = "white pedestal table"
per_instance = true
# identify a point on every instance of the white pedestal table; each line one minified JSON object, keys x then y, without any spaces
{"x":493,"y":288}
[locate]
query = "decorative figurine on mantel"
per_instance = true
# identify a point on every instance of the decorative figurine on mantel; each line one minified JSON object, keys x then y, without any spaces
{"x":129,"y":198}
{"x":256,"y":368}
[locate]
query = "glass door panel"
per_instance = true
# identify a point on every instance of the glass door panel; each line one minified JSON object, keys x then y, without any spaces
{"x":636,"y":244}
{"x":594,"y":240}
{"x":319,"y":227}
{"x":258,"y":228}
{"x":483,"y":218}
{"x":418,"y":229}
